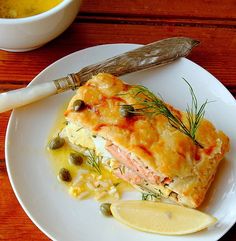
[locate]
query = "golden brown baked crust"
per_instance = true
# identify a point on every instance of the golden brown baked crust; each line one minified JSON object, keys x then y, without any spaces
{"x":153,"y":140}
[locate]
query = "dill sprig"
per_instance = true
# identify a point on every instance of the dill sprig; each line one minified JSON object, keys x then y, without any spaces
{"x":194,"y":114}
{"x":149,"y":196}
{"x":94,"y":160}
{"x":151,"y":105}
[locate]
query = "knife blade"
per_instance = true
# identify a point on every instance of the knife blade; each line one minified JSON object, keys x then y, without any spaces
{"x":151,"y":55}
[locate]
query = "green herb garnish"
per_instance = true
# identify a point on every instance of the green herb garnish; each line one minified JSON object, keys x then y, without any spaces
{"x":116,"y":184}
{"x":94,"y":161}
{"x":79,"y":129}
{"x":150,"y":196}
{"x":122,"y":170}
{"x":151,"y":105}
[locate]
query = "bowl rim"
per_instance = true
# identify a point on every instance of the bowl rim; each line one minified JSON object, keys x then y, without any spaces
{"x":39,"y":16}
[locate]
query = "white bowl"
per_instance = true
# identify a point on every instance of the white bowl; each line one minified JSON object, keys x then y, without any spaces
{"x":24,"y":34}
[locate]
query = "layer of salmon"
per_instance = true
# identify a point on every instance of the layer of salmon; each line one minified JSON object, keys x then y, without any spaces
{"x":128,"y":175}
{"x":136,"y":167}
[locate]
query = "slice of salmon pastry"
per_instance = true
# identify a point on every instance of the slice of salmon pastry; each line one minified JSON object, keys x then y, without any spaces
{"x":148,"y":143}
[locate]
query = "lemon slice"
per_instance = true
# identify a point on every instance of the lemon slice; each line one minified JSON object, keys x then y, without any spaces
{"x":162,"y":218}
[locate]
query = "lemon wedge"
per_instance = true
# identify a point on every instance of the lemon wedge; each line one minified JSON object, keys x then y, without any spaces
{"x":162,"y":218}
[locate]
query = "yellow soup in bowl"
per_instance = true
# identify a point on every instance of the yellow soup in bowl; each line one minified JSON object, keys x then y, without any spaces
{"x":25,"y":8}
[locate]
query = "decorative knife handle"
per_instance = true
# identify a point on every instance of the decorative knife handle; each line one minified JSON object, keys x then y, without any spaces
{"x":24,"y":96}
{"x":154,"y":54}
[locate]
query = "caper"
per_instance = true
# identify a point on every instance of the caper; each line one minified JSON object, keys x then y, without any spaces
{"x":56,"y":143}
{"x":105,"y":209}
{"x":75,"y":159}
{"x":126,"y":110}
{"x":78,"y":105}
{"x":64,"y":175}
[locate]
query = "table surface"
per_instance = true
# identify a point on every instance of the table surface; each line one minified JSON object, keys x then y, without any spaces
{"x":103,"y":22}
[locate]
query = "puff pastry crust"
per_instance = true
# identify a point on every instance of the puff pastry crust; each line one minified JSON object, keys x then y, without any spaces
{"x":172,"y":160}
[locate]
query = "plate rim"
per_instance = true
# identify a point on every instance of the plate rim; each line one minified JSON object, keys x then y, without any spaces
{"x":32,"y":82}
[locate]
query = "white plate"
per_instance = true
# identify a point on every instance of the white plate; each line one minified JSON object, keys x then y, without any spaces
{"x":45,"y":200}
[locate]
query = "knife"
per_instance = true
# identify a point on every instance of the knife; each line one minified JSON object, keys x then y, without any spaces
{"x":154,"y":54}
